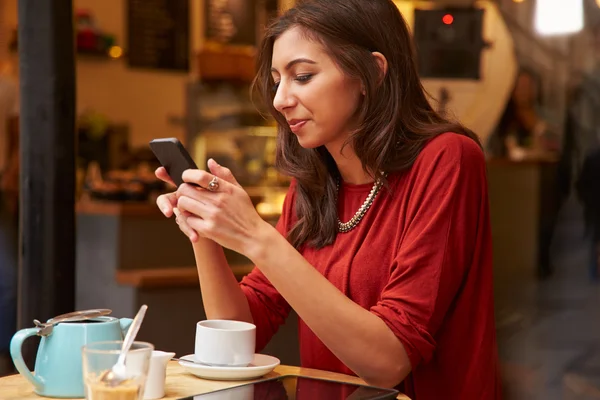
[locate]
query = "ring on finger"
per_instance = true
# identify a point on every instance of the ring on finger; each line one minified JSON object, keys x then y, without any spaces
{"x":213,"y":185}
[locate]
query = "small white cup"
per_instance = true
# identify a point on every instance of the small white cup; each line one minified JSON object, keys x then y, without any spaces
{"x":225,"y":343}
{"x":157,"y":374}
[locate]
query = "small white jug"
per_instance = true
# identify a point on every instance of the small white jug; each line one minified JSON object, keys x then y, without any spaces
{"x":157,"y":374}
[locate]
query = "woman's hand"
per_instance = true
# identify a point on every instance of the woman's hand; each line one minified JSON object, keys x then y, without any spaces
{"x":224,"y":213}
{"x":167,"y":203}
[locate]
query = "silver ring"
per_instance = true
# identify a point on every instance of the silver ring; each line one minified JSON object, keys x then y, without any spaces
{"x":213,"y":184}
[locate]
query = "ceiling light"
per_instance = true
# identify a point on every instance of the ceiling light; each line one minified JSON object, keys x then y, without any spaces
{"x":558,"y":17}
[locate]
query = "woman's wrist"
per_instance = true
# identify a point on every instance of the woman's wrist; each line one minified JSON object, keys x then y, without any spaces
{"x":204,"y":242}
{"x":263,"y":238}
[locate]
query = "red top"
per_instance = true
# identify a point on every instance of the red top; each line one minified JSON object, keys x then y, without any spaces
{"x":421,"y":260}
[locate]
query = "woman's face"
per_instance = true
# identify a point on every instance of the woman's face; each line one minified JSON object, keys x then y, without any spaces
{"x":311,"y":92}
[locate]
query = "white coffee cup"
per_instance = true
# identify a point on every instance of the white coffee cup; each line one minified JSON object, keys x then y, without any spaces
{"x":225,"y":343}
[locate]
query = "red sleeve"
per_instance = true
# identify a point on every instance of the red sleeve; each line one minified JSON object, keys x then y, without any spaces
{"x":269,"y":309}
{"x":448,"y":187}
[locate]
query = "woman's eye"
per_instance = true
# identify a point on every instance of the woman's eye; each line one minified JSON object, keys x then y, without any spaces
{"x":300,"y":79}
{"x":303,"y":78}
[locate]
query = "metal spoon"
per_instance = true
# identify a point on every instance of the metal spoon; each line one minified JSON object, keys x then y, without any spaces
{"x":118,"y":373}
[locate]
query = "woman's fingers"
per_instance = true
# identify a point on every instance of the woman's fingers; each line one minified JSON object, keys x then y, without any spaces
{"x":222,"y":172}
{"x":182,"y":221}
{"x":161,"y":173}
{"x":166,"y":203}
{"x":205,"y":180}
{"x":200,"y":177}
{"x":191,"y":191}
{"x":193,"y":207}
{"x":193,"y":211}
{"x":198,"y":224}
{"x":220,"y":179}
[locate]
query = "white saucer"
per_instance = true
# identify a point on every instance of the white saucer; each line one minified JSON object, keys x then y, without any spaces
{"x":261,"y":365}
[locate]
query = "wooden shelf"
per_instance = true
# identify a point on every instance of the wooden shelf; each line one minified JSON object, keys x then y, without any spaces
{"x":221,"y":62}
{"x":115,"y":208}
{"x":527,"y":161}
{"x":170,"y":277}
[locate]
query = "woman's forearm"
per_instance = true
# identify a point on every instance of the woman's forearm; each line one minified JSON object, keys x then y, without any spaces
{"x":221,"y":293}
{"x":360,"y":339}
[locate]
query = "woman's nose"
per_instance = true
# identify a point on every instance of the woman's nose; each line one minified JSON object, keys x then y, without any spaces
{"x":283,"y":98}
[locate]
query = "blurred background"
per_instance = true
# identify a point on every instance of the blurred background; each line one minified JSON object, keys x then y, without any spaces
{"x":523,"y":74}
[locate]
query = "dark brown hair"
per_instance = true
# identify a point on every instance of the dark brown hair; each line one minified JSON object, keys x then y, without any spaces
{"x":395,"y":119}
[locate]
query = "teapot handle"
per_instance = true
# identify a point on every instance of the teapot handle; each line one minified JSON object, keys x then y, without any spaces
{"x":125,"y":323}
{"x":16,"y":344}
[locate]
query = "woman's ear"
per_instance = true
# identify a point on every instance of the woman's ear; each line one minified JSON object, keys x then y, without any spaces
{"x":382,"y":63}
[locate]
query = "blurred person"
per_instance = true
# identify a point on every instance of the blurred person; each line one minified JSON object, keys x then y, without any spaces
{"x":580,"y":155}
{"x":9,"y":198}
{"x":400,"y":293}
{"x":588,"y":192}
{"x":523,"y":130}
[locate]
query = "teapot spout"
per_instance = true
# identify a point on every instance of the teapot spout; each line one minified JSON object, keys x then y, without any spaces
{"x":125,"y":324}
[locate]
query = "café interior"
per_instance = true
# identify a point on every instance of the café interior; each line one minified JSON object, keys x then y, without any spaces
{"x":183,"y":68}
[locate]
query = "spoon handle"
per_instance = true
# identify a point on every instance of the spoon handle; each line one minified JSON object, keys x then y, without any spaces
{"x":132,"y":333}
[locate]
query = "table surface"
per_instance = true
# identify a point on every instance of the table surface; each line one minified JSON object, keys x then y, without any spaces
{"x":178,"y":384}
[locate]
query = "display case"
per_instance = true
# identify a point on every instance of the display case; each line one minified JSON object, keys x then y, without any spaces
{"x":224,"y":123}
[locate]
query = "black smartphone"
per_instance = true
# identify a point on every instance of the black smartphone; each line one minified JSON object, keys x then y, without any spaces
{"x":173,"y":156}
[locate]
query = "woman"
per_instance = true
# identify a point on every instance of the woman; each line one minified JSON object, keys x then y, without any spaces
{"x":522,"y":132}
{"x":400,"y":292}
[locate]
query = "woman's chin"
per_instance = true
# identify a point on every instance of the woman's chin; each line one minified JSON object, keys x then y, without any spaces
{"x":307,"y":143}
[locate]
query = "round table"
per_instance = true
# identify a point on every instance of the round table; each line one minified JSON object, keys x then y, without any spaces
{"x":178,"y":384}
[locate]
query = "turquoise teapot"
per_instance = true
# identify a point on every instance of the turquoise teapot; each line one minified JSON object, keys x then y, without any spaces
{"x":58,"y":371}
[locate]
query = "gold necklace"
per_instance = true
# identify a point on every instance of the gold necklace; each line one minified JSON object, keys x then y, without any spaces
{"x":344,"y":227}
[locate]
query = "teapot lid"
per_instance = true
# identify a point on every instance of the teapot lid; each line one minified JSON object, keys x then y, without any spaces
{"x":46,"y":328}
{"x":79,"y":315}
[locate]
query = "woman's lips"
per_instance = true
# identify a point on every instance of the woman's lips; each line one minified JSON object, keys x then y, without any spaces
{"x":297,"y":124}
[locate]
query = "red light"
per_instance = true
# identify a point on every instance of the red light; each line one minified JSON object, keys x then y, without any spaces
{"x":448,"y":19}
